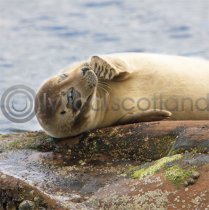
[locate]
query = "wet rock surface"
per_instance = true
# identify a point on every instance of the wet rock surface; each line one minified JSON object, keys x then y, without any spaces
{"x":161,"y":165}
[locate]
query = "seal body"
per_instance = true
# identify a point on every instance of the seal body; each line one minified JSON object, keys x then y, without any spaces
{"x":124,"y":88}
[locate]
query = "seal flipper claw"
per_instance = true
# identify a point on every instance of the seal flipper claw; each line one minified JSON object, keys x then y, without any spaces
{"x":109,"y":68}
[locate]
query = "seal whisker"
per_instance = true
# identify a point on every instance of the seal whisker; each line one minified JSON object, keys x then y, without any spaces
{"x":104,"y":84}
{"x":103,"y":88}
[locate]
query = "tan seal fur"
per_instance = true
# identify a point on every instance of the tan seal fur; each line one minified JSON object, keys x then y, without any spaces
{"x":123,"y":88}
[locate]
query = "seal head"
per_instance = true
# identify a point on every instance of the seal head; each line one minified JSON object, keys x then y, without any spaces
{"x":63,"y":102}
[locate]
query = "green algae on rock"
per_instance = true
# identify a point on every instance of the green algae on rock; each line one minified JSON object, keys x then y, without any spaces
{"x":156,"y":167}
{"x":177,"y":175}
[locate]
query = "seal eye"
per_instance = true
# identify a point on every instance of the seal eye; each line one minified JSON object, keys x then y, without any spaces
{"x":63,"y":77}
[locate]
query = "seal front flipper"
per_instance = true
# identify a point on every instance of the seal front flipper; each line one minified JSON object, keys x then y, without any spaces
{"x":109,"y":68}
{"x":147,"y":116}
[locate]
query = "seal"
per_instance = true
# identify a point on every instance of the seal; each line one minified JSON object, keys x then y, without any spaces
{"x":123,"y":88}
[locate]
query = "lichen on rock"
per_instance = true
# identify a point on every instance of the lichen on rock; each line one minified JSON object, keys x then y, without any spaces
{"x":155,"y":167}
{"x":177,"y":175}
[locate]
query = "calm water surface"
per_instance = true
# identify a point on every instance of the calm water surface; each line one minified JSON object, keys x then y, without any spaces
{"x":39,"y":37}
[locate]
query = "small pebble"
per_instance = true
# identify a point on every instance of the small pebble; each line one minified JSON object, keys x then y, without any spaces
{"x":27,"y":205}
{"x":195,"y":175}
{"x":186,"y":189}
{"x":186,"y":183}
{"x":31,"y":192}
{"x":3,"y":176}
{"x":191,"y":181}
{"x":37,"y":199}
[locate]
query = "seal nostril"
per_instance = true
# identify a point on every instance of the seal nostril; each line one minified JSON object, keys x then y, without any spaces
{"x":84,"y":70}
{"x":63,"y":112}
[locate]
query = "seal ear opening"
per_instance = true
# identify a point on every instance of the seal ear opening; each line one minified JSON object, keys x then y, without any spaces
{"x":109,"y":68}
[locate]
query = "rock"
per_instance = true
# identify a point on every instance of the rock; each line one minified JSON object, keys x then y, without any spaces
{"x":140,"y":166}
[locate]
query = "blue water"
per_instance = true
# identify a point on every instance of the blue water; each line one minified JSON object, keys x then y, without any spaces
{"x":39,"y":37}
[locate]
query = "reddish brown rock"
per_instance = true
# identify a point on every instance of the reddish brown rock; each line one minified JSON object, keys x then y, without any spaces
{"x":112,"y":168}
